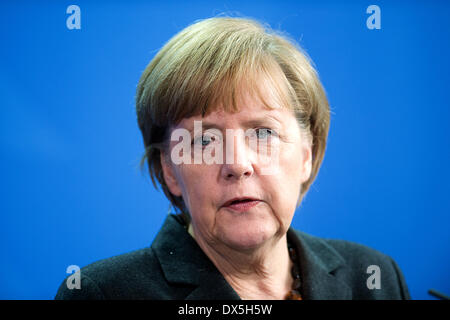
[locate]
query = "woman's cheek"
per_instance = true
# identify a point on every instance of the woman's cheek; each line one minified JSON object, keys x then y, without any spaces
{"x":197,"y":184}
{"x":280,"y":202}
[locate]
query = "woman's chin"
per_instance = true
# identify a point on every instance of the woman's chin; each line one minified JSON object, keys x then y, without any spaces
{"x":243,"y":238}
{"x":246,"y":230}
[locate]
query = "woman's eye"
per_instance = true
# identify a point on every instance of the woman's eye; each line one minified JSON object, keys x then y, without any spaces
{"x":263,"y":133}
{"x":203,"y":140}
{"x":206,"y":141}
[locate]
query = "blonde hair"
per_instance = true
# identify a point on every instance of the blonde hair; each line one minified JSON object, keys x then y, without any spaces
{"x":207,"y":65}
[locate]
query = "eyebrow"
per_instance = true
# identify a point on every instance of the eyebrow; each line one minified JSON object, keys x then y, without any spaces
{"x":246,"y":123}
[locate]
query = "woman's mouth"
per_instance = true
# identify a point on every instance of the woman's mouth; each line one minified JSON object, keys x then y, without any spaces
{"x":241,"y":205}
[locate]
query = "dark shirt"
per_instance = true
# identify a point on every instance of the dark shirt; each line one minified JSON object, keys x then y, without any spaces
{"x":175,"y":267}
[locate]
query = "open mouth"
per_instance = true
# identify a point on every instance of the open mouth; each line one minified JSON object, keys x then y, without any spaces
{"x":242,"y":204}
{"x":241,"y":201}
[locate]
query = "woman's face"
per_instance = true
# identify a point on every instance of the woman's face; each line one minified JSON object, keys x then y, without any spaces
{"x":249,"y":197}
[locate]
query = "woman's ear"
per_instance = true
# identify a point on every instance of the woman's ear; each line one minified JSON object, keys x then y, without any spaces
{"x":307,"y":162}
{"x":169,"y":175}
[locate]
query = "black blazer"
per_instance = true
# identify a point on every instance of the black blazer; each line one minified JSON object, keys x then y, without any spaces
{"x":175,"y":267}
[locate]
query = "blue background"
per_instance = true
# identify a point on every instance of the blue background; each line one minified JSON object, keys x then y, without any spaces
{"x":71,"y":188}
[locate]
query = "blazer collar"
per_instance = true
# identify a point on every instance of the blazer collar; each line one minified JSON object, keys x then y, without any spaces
{"x":183,"y":262}
{"x":319,"y":263}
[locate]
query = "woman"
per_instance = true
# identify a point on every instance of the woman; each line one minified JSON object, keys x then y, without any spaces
{"x":235,"y":123}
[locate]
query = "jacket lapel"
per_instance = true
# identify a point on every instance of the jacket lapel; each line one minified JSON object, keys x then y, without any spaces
{"x":183,"y":262}
{"x":318,"y":263}
{"x":213,"y":287}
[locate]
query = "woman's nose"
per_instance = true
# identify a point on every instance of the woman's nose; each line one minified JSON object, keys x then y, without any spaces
{"x":238,"y":160}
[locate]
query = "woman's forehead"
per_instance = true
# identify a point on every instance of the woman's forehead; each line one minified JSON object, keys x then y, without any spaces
{"x":247,"y":116}
{"x":246,"y":103}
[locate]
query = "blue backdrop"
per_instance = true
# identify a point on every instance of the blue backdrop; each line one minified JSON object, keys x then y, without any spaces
{"x":71,"y":189}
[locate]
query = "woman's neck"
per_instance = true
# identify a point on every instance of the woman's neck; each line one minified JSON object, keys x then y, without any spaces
{"x":262,"y":273}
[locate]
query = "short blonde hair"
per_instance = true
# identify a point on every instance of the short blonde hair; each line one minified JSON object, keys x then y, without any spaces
{"x":208,"y":64}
